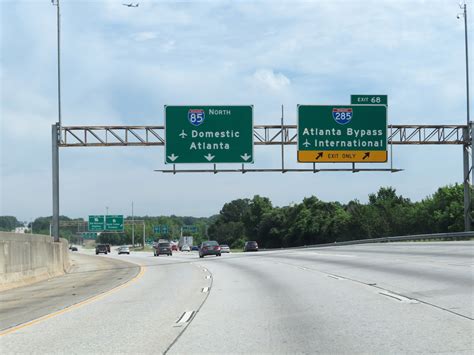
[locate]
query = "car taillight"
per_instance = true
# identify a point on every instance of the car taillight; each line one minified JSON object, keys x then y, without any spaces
{"x":217,"y":248}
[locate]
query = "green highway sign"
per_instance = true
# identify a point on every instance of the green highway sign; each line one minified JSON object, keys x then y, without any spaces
{"x":369,"y":100}
{"x":96,"y":223}
{"x":163,"y":229}
{"x":114,"y":223}
{"x":89,"y":235}
{"x":192,"y":229}
{"x":208,"y":134}
{"x":342,"y":133}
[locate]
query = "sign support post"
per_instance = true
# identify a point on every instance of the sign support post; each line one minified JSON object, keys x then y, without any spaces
{"x":55,"y":130}
{"x":467,"y":184}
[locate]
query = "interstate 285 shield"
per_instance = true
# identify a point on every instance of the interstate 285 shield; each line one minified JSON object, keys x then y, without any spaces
{"x":342,"y":115}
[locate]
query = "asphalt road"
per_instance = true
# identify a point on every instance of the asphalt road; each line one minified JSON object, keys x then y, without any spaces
{"x":384,"y":298}
{"x":88,"y":277}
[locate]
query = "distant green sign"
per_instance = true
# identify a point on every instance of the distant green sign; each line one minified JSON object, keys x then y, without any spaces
{"x":96,"y":223}
{"x":192,"y":229}
{"x":163,"y":229}
{"x":89,"y":235}
{"x":209,"y":134}
{"x":114,"y":223}
{"x":369,"y":100}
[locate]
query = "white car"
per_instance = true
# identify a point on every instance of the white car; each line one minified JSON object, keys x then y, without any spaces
{"x":124,"y":250}
{"x":225,"y":248}
{"x":185,"y":248}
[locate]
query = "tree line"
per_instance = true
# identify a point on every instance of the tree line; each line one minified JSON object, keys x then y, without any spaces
{"x":9,"y":223}
{"x":312,"y":221}
{"x":315,"y":222}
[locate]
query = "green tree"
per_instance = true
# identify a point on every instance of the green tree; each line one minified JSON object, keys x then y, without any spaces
{"x":252,"y":216}
{"x":9,"y":223}
{"x":392,"y":212}
{"x":444,"y":211}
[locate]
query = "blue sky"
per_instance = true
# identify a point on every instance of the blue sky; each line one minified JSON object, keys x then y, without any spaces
{"x":121,"y":65}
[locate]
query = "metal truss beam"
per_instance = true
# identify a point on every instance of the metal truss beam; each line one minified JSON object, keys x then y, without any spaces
{"x":121,"y":136}
{"x":244,"y":170}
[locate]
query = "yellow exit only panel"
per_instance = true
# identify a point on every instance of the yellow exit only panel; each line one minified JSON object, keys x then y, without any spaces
{"x":342,"y":156}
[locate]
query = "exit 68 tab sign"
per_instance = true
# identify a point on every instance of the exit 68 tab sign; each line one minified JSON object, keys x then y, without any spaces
{"x":342,"y":133}
{"x":208,"y":134}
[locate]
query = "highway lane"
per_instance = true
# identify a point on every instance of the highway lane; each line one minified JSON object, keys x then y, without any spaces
{"x":387,"y":298}
{"x":146,"y":316}
{"x":416,"y":270}
{"x":341,"y":300}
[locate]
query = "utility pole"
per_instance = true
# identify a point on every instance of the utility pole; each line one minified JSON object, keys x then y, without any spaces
{"x":468,"y":168}
{"x":133,"y":228}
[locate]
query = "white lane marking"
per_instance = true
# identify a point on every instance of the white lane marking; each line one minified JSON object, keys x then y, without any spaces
{"x":185,"y":317}
{"x":327,"y":254}
{"x":205,"y":289}
{"x":336,"y":277}
{"x":208,"y":277}
{"x":292,"y":265}
{"x":398,"y":297}
{"x":205,"y":270}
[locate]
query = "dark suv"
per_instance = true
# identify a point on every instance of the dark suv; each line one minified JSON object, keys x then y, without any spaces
{"x":251,"y":246}
{"x":163,"y":248}
{"x":101,"y":248}
{"x":209,"y":248}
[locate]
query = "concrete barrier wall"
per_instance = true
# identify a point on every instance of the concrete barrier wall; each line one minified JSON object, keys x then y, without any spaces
{"x":28,"y":258}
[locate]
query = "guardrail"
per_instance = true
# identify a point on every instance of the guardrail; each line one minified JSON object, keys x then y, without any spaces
{"x":440,"y":236}
{"x":453,"y":236}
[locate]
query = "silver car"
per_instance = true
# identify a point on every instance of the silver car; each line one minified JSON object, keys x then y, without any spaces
{"x":186,"y":248}
{"x":124,"y":250}
{"x":225,"y":248}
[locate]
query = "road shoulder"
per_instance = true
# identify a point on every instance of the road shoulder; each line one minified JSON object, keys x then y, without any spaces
{"x":89,"y":276}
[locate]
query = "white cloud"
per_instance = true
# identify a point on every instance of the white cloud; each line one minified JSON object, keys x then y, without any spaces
{"x":144,"y":36}
{"x":271,"y":80}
